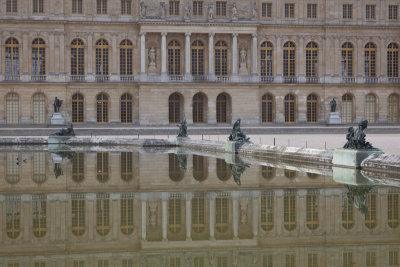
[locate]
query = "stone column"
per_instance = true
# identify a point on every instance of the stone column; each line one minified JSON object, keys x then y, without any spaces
{"x":51,"y":65}
{"x":212,"y":216}
{"x":278,"y":56}
{"x":254,"y":70}
{"x":188,"y":216}
{"x":164,"y":55}
{"x":114,"y":59}
{"x":255,"y":213}
{"x":144,"y":218}
{"x":143,"y":55}
{"x":301,"y":62}
{"x":235,"y":208}
{"x":89,"y":56}
{"x":164,"y":218}
{"x":187,"y":56}
{"x":211,"y":74}
{"x":234,"y":55}
{"x":24,"y":60}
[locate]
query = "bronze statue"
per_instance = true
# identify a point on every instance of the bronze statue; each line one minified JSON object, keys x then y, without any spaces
{"x":57,"y":104}
{"x":237,"y":135}
{"x":182,"y":129}
{"x":333,"y":105}
{"x":356,"y":138}
{"x":66,"y":132}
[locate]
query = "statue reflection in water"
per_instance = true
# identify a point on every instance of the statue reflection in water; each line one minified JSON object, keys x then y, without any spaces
{"x":357,"y":195}
{"x":238,"y":169}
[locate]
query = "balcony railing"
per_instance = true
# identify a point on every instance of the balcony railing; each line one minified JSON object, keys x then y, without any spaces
{"x":224,"y":78}
{"x":289,"y":79}
{"x":9,"y":77}
{"x":394,"y":79}
{"x":77,"y":78}
{"x":175,"y":77}
{"x":348,"y":79}
{"x":371,"y":79}
{"x":267,"y":79}
{"x":102,"y":78}
{"x":127,"y":78}
{"x":199,"y":78}
{"x":312,"y":79}
{"x":38,"y":77}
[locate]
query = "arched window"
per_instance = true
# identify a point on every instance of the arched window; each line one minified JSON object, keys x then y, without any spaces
{"x":312,"y":175}
{"x":289,"y":59}
{"x":347,"y":108}
{"x":102,"y":166}
{"x":12,"y":103}
{"x":78,"y":214}
{"x":347,"y":213}
{"x":175,"y":173}
{"x":267,"y":108}
{"x":312,"y":219}
{"x":126,"y":108}
{"x":77,"y":108}
{"x":290,"y":174}
{"x":223,"y":170}
{"x":13,"y":168}
{"x":77,"y":59}
{"x":267,"y":211}
{"x":268,"y":172}
{"x":198,"y":213}
{"x":12,"y":59}
{"x":290,"y":108}
{"x":13,"y":216}
{"x":12,"y":6}
{"x":101,"y":7}
{"x":393,"y":61}
{"x":312,"y":60}
{"x":38,"y":59}
{"x":174,"y":58}
{"x":126,"y":7}
{"x":393,"y":108}
{"x":371,"y":219}
{"x":103,"y":226}
{"x":289,"y":210}
{"x":102,"y":59}
{"x":175,"y":105}
{"x":312,"y":108}
{"x":175,"y":206}
{"x":266,"y":59}
{"x":221,"y":214}
{"x":393,"y":209}
{"x":39,"y":109}
{"x":39,"y":167}
{"x":199,"y":106}
{"x":200,"y":168}
{"x":221,"y":58}
{"x":39,"y":215}
{"x":38,"y":6}
{"x":347,"y":60}
{"x":222,"y":108}
{"x":126,"y":166}
{"x":125,"y":59}
{"x":370,"y":108}
{"x":78,"y":167}
{"x":102,"y":108}
{"x":127,"y":212}
{"x":370,"y":60}
{"x":77,"y":6}
{"x":197,"y":60}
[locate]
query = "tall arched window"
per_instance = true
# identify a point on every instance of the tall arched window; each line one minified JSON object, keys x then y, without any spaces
{"x":266,"y":59}
{"x":77,"y":108}
{"x":102,"y":59}
{"x":101,"y":7}
{"x":268,"y":172}
{"x":222,"y":108}
{"x":312,"y":108}
{"x":102,"y":166}
{"x":103,"y":225}
{"x":12,"y":59}
{"x":12,"y":168}
{"x":291,"y":174}
{"x":198,"y":213}
{"x":12,"y":108}
{"x":37,"y":6}
{"x":39,"y":215}
{"x":312,"y":60}
{"x":267,"y":210}
{"x":39,"y":167}
{"x":267,"y":108}
{"x":77,"y":59}
{"x":200,"y":168}
{"x":289,"y":210}
{"x":126,"y":108}
{"x":102,"y":108}
{"x":223,"y":170}
{"x":221,"y":214}
{"x":347,"y":213}
{"x":127,"y":212}
{"x":393,"y":61}
{"x":371,"y":219}
{"x":78,"y":167}
{"x":199,"y":106}
{"x":38,"y":59}
{"x":370,"y":60}
{"x":289,"y":59}
{"x":126,"y":166}
{"x":13,"y":216}
{"x":126,"y":59}
{"x":347,"y":60}
{"x":175,"y":206}
{"x":175,"y":104}
{"x":393,"y":209}
{"x":78,"y":214}
{"x":174,"y":58}
{"x":175,"y":173}
{"x":312,"y":218}
{"x":197,"y":60}
{"x":290,"y":108}
{"x":393,"y":108}
{"x":347,"y":108}
{"x":370,"y":108}
{"x":221,"y":58}
{"x":39,"y":109}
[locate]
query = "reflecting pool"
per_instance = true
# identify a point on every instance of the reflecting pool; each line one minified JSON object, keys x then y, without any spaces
{"x":133,"y":207}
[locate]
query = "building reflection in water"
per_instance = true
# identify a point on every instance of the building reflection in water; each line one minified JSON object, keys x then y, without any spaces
{"x":143,"y":209}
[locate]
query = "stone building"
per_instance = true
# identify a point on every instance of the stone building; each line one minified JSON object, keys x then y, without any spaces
{"x":156,"y":62}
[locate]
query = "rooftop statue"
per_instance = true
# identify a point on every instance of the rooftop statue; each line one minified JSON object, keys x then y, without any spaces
{"x":237,"y":135}
{"x":356,"y":137}
{"x":333,"y":105}
{"x":182,"y":129}
{"x":57,"y":104}
{"x":66,"y":132}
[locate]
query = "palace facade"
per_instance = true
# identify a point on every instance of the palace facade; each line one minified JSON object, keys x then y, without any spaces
{"x":156,"y":62}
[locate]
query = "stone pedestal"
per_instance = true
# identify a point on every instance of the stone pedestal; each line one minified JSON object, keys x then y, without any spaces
{"x":350,"y":176}
{"x":179,"y":140}
{"x":352,"y":157}
{"x":230,"y":147}
{"x":334,"y":118}
{"x":57,"y":119}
